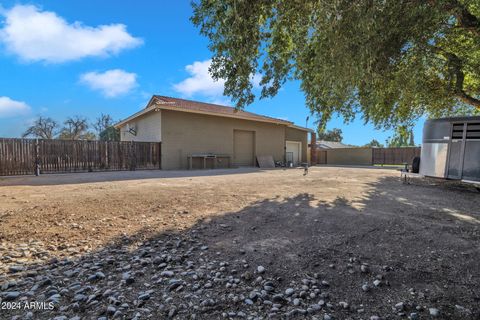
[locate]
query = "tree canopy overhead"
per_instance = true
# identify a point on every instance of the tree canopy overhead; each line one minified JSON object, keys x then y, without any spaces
{"x":393,"y":61}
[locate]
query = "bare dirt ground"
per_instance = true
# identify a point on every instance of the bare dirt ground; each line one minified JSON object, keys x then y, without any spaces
{"x":338,"y":243}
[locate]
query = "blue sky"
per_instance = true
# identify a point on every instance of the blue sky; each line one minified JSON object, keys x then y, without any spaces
{"x":64,"y":58}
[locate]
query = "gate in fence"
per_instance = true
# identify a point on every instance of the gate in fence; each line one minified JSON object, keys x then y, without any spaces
{"x":27,"y":156}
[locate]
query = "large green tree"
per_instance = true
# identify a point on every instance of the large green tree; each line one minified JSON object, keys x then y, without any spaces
{"x":402,"y":137}
{"x":374,"y":144}
{"x":335,"y":134}
{"x":390,"y":60}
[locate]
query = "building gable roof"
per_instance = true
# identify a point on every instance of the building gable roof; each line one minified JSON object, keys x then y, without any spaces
{"x":158,"y":102}
{"x":216,"y":109}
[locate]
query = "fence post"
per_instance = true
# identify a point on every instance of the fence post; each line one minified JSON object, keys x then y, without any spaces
{"x":313,"y":149}
{"x":133,"y":156}
{"x":160,"y":155}
{"x":106,"y":155}
{"x":37,"y":159}
{"x":89,"y":158}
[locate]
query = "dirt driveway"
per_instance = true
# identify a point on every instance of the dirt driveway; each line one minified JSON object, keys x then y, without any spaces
{"x":338,"y":243}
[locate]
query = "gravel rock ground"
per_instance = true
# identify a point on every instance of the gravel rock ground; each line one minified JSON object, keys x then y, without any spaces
{"x":340,"y":243}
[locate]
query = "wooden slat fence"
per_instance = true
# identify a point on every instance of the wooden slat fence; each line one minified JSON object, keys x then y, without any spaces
{"x":368,"y":156}
{"x":17,"y":156}
{"x":20,"y":156}
{"x":395,"y":156}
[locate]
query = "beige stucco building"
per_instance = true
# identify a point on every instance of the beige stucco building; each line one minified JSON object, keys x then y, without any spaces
{"x":187,"y":128}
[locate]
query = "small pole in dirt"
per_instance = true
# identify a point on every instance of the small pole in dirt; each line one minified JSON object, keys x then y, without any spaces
{"x":37,"y":159}
{"x":37,"y":168}
{"x":305,"y":168}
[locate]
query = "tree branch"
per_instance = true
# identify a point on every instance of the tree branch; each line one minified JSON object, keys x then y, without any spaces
{"x":465,"y":19}
{"x":469,"y":99}
{"x":456,"y":65}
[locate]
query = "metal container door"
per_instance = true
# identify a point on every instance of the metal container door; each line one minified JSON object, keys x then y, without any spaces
{"x":456,"y":151}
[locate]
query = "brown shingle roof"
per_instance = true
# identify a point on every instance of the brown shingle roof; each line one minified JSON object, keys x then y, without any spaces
{"x":176,"y":104}
{"x":189,"y":105}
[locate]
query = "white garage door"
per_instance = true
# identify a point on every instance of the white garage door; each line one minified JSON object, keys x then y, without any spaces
{"x":293,"y":152}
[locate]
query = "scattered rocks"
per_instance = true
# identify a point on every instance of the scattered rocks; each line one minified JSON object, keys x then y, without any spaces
{"x":399,"y":306}
{"x":289,"y":292}
{"x":462,"y":310}
{"x":434,"y":312}
{"x":364,"y":268}
{"x":97,"y":276}
{"x":172,"y":312}
{"x":129,"y":279}
{"x":279,"y":298}
{"x":144,"y":296}
{"x":111,"y":310}
{"x":80,"y":298}
{"x":15,"y":269}
{"x":167,"y":274}
{"x":178,"y":277}
{"x":10,"y":295}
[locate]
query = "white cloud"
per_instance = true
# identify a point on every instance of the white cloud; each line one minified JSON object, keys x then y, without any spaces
{"x":201,"y":82}
{"x":256,"y":80}
{"x":12,"y":108}
{"x":36,"y":35}
{"x":111,"y":83}
{"x":223,"y":101}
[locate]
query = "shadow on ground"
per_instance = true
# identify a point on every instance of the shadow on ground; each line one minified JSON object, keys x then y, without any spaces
{"x":394,"y":241}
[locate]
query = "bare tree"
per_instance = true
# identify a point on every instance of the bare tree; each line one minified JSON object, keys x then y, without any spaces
{"x":103,"y":122}
{"x":43,"y":128}
{"x":105,"y":130}
{"x":75,"y":128}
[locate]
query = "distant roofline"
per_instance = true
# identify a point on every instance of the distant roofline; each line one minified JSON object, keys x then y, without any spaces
{"x":154,"y":104}
{"x":326,"y":144}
